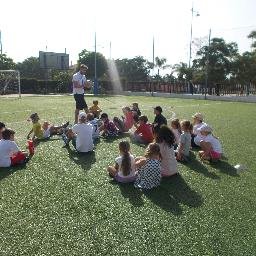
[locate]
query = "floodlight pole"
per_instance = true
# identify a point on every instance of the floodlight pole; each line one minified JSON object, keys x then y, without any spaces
{"x":191,"y":33}
{"x":153,"y":69}
{"x":95,"y":87}
{"x":207,"y":65}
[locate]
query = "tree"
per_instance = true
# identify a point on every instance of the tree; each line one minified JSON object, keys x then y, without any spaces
{"x":136,"y":69}
{"x":6,"y":63}
{"x":88,"y":58}
{"x":30,"y":68}
{"x":220,"y":56}
{"x":184,"y":73}
{"x":160,"y":64}
{"x":244,"y":68}
{"x":252,"y":35}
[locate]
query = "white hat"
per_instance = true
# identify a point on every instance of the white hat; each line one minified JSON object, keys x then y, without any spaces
{"x":81,"y":115}
{"x":199,"y":116}
{"x":205,"y":128}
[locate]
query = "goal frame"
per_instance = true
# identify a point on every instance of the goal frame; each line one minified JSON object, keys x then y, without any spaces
{"x":17,"y":77}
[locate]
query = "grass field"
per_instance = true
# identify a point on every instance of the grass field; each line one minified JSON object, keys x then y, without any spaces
{"x":65,"y":204}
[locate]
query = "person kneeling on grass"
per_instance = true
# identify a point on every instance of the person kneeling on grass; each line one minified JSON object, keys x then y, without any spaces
{"x":124,"y":169}
{"x":210,"y":145}
{"x":149,"y":168}
{"x":80,"y":135}
{"x":45,"y":131}
{"x":10,"y":154}
{"x":143,"y":133}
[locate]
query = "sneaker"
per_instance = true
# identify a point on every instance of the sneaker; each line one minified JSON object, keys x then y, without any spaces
{"x":66,"y":124}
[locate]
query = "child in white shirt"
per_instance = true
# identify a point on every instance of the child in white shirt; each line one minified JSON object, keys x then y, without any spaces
{"x":81,"y":135}
{"x":211,"y":146}
{"x":196,"y":135}
{"x":124,"y":169}
{"x":95,"y":123}
{"x":10,"y":154}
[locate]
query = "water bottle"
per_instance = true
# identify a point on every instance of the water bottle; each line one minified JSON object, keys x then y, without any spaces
{"x":31,"y":147}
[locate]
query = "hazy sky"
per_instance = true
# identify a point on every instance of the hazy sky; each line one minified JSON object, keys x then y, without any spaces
{"x":29,"y":26}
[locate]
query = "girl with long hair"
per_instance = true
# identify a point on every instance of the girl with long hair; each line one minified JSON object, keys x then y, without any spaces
{"x":124,"y":169}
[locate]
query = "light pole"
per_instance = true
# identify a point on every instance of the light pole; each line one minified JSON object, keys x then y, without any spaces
{"x":95,"y":87}
{"x":191,"y":32}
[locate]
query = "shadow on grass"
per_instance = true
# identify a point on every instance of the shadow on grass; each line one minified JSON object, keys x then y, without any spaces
{"x":197,"y":166}
{"x":128,"y":191}
{"x":85,"y":160}
{"x":172,"y":193}
{"x":5,"y":172}
{"x":225,"y":167}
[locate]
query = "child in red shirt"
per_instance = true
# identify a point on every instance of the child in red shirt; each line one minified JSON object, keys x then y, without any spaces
{"x":143,"y":133}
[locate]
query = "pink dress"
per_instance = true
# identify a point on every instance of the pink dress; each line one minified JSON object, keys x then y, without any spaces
{"x":168,"y":161}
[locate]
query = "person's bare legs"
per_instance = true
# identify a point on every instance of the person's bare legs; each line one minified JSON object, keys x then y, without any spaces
{"x":206,"y":149}
{"x":112,"y":171}
{"x":76,"y":115}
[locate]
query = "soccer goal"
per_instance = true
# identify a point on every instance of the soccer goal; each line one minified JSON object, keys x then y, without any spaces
{"x":10,"y":82}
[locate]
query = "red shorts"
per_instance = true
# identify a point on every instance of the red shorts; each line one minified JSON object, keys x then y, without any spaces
{"x":215,"y":155}
{"x":18,"y":158}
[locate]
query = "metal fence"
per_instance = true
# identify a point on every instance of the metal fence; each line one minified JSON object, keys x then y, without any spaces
{"x":186,"y":88}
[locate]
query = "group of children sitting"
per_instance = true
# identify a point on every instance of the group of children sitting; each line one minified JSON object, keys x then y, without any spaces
{"x":165,"y":144}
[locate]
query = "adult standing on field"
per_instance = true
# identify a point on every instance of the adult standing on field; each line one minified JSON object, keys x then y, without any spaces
{"x":79,"y":85}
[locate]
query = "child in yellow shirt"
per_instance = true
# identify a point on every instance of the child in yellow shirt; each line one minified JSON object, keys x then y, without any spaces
{"x":45,"y":131}
{"x":95,"y":109}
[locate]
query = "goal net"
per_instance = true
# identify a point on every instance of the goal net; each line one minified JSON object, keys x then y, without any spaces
{"x":10,"y":82}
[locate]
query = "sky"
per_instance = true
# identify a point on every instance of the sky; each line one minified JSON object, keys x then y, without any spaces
{"x":30,"y":26}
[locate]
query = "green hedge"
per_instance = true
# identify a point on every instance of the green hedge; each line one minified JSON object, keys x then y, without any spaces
{"x":30,"y":85}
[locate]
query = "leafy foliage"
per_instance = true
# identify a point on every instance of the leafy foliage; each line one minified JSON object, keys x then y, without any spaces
{"x":6,"y":62}
{"x":88,"y":58}
{"x":136,"y":69}
{"x":30,"y":68}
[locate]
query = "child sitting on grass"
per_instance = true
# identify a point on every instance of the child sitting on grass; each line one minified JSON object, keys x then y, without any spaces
{"x":124,"y":169}
{"x":149,"y":168}
{"x":126,"y":123}
{"x":143,"y":133}
{"x":210,"y":145}
{"x":95,"y":109}
{"x":45,"y":131}
{"x":185,"y":142}
{"x":108,"y":128}
{"x":80,"y":135}
{"x":136,"y":112}
{"x":165,"y":139}
{"x":10,"y":154}
{"x":176,"y":129}
{"x":197,"y":123}
{"x":2,"y":127}
{"x":95,"y":123}
{"x":159,"y":119}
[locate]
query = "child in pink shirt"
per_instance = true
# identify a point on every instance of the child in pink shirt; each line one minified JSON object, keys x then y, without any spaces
{"x":126,"y":124}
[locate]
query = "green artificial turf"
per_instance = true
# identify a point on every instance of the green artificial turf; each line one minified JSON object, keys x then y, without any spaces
{"x":62,"y":203}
